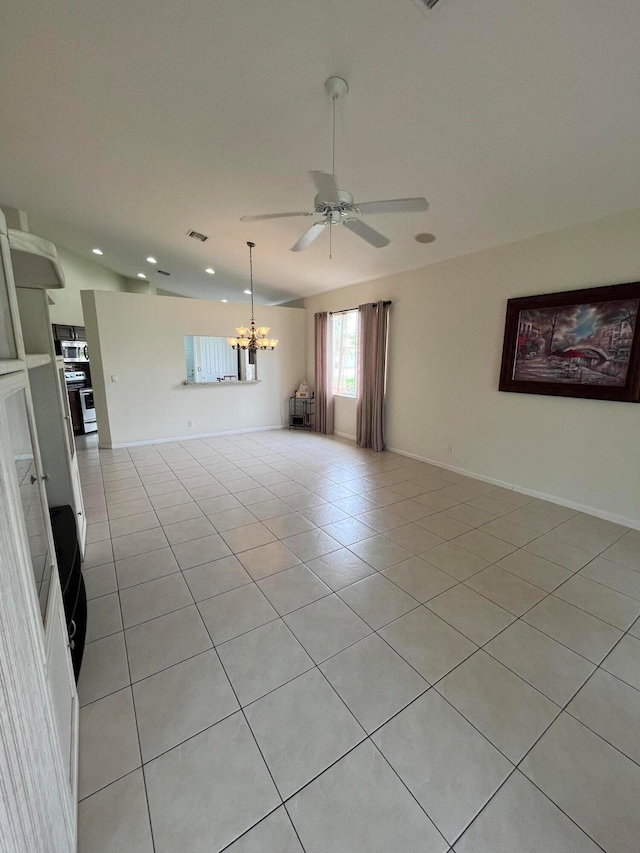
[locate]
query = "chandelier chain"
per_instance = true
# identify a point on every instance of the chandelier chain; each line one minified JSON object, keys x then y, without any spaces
{"x":253,"y":338}
{"x":251,"y":245}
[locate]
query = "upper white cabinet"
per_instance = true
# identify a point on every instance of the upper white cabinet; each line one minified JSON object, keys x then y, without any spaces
{"x":36,"y":269}
{"x":11,"y":344}
{"x":35,"y":261}
{"x":26,"y":260}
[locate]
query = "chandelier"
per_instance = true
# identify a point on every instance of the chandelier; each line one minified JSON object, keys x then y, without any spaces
{"x":255,"y":337}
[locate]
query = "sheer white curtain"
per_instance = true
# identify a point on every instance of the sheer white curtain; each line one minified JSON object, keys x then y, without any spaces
{"x":372,"y":366}
{"x":324,"y":390}
{"x":344,"y":328}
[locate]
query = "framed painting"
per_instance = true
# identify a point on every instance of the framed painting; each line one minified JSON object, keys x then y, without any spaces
{"x":580,"y":343}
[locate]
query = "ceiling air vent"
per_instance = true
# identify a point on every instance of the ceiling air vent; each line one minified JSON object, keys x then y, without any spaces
{"x":163,"y":272}
{"x":428,"y":6}
{"x":197,"y":236}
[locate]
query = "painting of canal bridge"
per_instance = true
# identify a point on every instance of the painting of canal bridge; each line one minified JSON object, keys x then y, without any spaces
{"x":574,"y":344}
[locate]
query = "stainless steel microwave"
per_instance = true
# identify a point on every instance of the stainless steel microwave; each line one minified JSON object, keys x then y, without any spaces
{"x":74,"y":351}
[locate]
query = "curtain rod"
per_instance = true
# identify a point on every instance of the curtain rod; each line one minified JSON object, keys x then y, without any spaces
{"x":345,"y":310}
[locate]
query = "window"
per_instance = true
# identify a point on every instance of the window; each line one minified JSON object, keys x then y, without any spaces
{"x":345,"y":353}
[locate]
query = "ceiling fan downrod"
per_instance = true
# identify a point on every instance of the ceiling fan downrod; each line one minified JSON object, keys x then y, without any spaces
{"x":336,"y":87}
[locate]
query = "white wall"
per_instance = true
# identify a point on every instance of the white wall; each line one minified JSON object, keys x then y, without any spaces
{"x":140,"y":339}
{"x":445,"y":346}
{"x":80,"y":274}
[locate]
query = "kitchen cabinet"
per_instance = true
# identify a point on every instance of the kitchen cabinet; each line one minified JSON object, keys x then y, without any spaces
{"x":62,"y":687}
{"x":30,"y":477}
{"x":75,"y":411}
{"x":51,"y":404}
{"x":12,"y":352}
{"x":74,"y":485}
{"x":42,"y":549}
{"x":63,"y":332}
{"x":74,"y":597}
{"x":38,"y":697}
{"x":38,"y":750}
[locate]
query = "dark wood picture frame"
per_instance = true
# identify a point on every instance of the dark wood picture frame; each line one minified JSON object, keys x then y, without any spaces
{"x":541,"y":355}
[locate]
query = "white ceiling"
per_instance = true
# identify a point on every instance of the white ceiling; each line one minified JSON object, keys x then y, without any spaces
{"x":126,"y":123}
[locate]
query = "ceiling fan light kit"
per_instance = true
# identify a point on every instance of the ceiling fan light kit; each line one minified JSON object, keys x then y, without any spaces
{"x":337,"y":206}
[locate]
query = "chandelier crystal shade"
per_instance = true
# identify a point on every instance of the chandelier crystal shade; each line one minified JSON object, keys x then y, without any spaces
{"x":254,"y":337}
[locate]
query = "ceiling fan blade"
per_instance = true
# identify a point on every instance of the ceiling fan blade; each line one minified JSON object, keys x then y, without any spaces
{"x":394,"y":205}
{"x":326,"y":186}
{"x":369,"y":234}
{"x":274,"y":216}
{"x":309,"y":236}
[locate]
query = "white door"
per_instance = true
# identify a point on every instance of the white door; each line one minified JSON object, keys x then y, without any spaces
{"x":214,"y":359}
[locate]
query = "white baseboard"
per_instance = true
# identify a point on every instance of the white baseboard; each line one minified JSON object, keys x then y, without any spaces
{"x":192,"y":437}
{"x":589,"y":510}
{"x":345,"y":435}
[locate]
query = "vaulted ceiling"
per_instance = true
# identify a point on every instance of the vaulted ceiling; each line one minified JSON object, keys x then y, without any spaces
{"x":127,"y":123}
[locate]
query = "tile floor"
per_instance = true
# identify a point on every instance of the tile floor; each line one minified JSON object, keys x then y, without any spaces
{"x":298,"y":645}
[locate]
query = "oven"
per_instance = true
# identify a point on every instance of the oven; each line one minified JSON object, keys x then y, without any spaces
{"x":88,"y":410}
{"x":75,"y":380}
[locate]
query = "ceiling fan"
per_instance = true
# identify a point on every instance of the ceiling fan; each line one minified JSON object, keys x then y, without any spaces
{"x":336,"y":206}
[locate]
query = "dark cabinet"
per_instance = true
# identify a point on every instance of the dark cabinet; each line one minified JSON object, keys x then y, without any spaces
{"x":76,"y":411}
{"x":63,"y":332}
{"x":74,"y":598}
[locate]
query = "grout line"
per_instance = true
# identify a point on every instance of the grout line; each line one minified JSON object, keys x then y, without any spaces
{"x":385,"y":508}
{"x":135,"y":716}
{"x":241,"y":710}
{"x":407,"y":788}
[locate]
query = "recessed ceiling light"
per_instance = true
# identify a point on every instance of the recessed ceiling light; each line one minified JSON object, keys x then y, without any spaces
{"x":248,"y":292}
{"x":424,"y":238}
{"x":152,"y":260}
{"x":141,"y":275}
{"x":224,"y":300}
{"x":97,"y":251}
{"x":210,"y":271}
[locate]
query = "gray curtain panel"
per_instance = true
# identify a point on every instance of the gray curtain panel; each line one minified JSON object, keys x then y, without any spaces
{"x":372,"y":359}
{"x":324,"y":393}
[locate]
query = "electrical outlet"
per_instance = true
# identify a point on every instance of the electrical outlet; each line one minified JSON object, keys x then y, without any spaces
{"x":450,"y":449}
{"x":189,"y":423}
